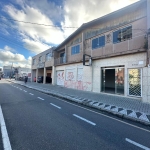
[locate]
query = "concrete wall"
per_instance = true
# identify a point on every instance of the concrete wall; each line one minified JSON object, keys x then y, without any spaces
{"x":128,"y":61}
{"x":76,"y":76}
{"x":40,"y":72}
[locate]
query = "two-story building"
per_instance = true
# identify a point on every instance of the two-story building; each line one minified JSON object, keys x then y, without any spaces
{"x":117,"y":44}
{"x":42,"y":65}
{"x":117,"y":53}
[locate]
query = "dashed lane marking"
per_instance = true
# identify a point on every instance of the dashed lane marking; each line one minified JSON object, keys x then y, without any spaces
{"x":24,"y":90}
{"x":137,"y":144}
{"x":40,"y":98}
{"x":90,"y":122}
{"x":55,"y":106}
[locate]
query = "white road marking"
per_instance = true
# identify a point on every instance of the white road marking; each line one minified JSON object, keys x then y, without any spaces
{"x":92,"y":123}
{"x":25,"y":91}
{"x":31,"y":94}
{"x":55,"y":106}
{"x":137,"y":144}
{"x":5,"y":138}
{"x":40,"y":98}
{"x":20,"y":89}
{"x":103,"y":115}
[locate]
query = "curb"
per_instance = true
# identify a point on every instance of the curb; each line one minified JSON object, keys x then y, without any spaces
{"x":118,"y":111}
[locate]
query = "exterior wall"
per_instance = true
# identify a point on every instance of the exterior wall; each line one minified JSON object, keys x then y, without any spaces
{"x":128,"y":61}
{"x":75,"y":76}
{"x":76,"y":57}
{"x":41,"y":72}
{"x":44,"y":63}
{"x":128,"y":46}
{"x":49,"y":63}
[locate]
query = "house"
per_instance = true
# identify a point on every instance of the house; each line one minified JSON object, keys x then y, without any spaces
{"x":42,"y":65}
{"x":110,"y":54}
{"x":8,"y":71}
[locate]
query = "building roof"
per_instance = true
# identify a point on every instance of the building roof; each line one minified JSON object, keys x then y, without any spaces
{"x":101,"y":19}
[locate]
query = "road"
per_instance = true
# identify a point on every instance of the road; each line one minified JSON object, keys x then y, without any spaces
{"x":36,"y":121}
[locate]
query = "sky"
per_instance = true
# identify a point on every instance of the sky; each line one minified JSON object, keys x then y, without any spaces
{"x":29,"y":27}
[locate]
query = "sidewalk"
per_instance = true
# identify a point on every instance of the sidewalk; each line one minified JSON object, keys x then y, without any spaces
{"x":125,"y":107}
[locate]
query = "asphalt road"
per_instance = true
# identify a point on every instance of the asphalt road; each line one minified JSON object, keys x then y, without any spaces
{"x":36,"y":121}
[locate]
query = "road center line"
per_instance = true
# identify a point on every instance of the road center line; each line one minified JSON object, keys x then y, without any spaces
{"x":55,"y":106}
{"x":137,"y":144}
{"x":5,"y":138}
{"x":40,"y":98}
{"x":31,"y":94}
{"x":92,"y":123}
{"x":25,"y":91}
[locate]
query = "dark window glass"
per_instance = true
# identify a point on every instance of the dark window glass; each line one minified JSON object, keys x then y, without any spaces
{"x":98,"y":42}
{"x":122,"y":35}
{"x":75,"y":49}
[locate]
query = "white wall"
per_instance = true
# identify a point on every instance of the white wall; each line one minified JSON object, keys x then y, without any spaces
{"x":76,"y":76}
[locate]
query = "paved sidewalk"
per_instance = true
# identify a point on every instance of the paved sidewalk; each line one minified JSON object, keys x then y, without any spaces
{"x":126,"y":107}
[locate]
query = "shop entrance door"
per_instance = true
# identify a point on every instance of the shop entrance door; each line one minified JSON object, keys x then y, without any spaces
{"x":113,"y":80}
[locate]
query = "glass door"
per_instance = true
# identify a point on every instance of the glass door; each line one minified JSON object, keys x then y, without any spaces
{"x":119,"y":80}
{"x":112,"y":80}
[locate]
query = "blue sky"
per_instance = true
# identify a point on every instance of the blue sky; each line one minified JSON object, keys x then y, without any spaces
{"x":20,"y":41}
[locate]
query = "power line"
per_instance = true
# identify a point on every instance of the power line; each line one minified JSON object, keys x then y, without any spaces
{"x":36,"y":23}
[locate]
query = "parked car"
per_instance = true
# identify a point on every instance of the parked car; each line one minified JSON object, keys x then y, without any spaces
{"x":40,"y":79}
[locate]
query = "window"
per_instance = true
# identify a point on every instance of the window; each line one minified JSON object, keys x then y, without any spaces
{"x":48,"y":56}
{"x":122,"y":34}
{"x":75,"y":49}
{"x":40,"y":59}
{"x":34,"y":61}
{"x":98,"y":42}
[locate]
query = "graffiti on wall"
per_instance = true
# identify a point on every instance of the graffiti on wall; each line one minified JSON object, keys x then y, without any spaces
{"x":70,"y":74}
{"x":60,"y":77}
{"x":80,"y":74}
{"x":80,"y":85}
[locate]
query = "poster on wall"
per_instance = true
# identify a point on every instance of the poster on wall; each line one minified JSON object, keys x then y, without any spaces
{"x":80,"y":74}
{"x":71,"y":74}
{"x":60,"y":78}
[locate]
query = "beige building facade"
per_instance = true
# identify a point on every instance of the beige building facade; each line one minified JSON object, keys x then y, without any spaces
{"x":42,"y":65}
{"x":117,"y":54}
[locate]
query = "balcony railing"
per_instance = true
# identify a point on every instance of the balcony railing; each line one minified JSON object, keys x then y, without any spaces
{"x":60,"y":60}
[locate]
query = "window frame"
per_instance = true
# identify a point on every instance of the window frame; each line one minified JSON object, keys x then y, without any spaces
{"x":34,"y":61}
{"x":74,"y":49}
{"x":48,"y":57}
{"x":121,"y":36}
{"x":40,"y":59}
{"x":100,"y":42}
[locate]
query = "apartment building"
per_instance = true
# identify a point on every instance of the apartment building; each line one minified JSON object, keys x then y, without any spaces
{"x":42,"y":65}
{"x":116,"y":46}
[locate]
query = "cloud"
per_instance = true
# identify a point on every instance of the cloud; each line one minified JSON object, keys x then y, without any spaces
{"x":77,"y":12}
{"x":68,"y":13}
{"x":7,"y":58}
{"x":35,"y":46}
{"x":40,"y":34}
